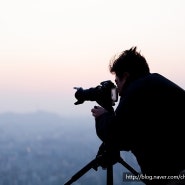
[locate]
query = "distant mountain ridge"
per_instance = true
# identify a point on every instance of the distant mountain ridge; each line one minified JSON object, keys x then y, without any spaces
{"x":45,"y":148}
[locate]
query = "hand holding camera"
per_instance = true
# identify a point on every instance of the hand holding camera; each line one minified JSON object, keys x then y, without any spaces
{"x":98,"y":111}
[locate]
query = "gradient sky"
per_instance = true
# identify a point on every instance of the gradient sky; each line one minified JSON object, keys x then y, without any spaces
{"x":49,"y":46}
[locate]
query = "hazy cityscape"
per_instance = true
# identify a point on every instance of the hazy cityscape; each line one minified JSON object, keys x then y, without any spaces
{"x":42,"y":148}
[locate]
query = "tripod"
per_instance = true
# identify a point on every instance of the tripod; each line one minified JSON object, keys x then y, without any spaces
{"x":106,"y":162}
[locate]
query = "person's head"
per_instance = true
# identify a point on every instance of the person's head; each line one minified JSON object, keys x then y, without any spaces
{"x":130,"y":65}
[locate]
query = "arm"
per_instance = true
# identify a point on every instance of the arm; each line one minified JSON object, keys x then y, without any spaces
{"x":110,"y":127}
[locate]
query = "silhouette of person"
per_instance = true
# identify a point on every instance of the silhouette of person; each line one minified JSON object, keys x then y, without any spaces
{"x":148,"y":120}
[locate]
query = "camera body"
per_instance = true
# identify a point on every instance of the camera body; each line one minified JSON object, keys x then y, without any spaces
{"x":104,"y":94}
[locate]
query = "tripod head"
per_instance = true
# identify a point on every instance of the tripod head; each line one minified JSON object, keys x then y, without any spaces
{"x":105,"y":158}
{"x":107,"y":155}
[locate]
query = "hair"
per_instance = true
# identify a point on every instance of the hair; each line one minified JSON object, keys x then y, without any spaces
{"x":129,"y":61}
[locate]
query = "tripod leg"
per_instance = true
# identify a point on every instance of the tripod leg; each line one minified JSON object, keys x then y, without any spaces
{"x":128,"y":166}
{"x":131,"y":169}
{"x":110,"y":175}
{"x":90,"y":165}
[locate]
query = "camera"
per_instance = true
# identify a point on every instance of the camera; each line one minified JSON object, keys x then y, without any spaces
{"x":104,"y":94}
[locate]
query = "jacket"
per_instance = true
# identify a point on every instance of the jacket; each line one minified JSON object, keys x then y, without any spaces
{"x":148,"y":121}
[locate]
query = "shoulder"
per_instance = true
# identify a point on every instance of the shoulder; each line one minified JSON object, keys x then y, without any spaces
{"x":153,"y":82}
{"x":138,"y":85}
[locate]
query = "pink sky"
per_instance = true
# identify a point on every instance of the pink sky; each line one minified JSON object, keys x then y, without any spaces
{"x":48,"y":47}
